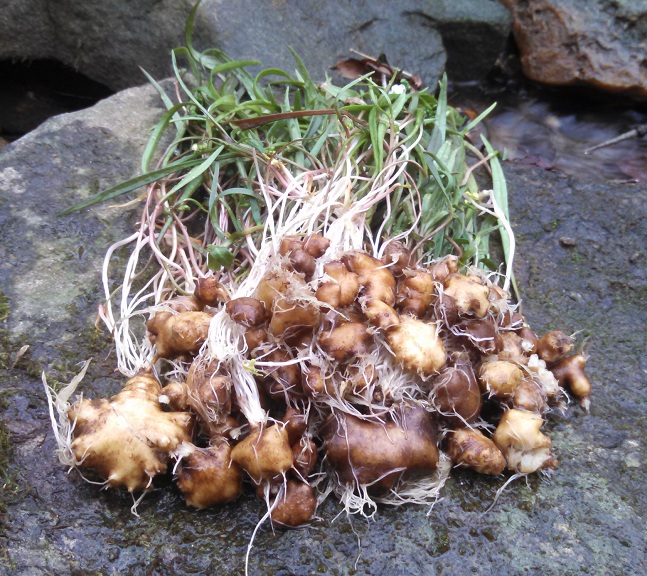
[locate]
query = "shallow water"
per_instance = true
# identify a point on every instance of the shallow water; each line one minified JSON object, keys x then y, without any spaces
{"x":553,"y":130}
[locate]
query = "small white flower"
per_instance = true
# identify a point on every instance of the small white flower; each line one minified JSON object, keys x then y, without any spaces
{"x":398,"y":89}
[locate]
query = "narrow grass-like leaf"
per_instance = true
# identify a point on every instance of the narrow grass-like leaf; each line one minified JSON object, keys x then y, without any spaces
{"x":196,"y":171}
{"x":500,"y":194}
{"x":130,"y":185}
{"x":158,"y":131}
{"x":440,"y":121}
{"x":470,"y":125}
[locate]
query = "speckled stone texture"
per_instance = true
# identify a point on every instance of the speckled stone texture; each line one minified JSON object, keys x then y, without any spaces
{"x":586,"y":518}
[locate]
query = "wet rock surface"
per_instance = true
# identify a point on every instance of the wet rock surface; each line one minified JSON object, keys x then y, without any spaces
{"x":600,"y":43}
{"x":586,"y":518}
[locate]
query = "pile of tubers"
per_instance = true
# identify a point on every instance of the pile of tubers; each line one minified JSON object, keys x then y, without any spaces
{"x":368,"y":373}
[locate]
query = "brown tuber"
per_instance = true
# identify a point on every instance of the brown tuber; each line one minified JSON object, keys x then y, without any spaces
{"x":254,"y":337}
{"x":482,"y":335}
{"x":554,"y":346}
{"x":295,"y":505}
{"x":514,"y":348}
{"x":210,"y":292}
{"x":375,"y":453}
{"x":569,"y":372}
{"x":208,"y":476}
{"x":456,"y":394}
{"x":283,"y":380}
{"x":315,"y":384}
{"x":178,"y":334}
{"x":295,"y":424}
{"x":301,"y":260}
{"x":249,"y":312}
{"x":264,"y":453}
{"x":304,"y":453}
{"x":128,"y":439}
{"x":529,"y":340}
{"x":316,"y":245}
{"x":184,"y":304}
{"x":530,"y":396}
{"x":209,"y":392}
{"x":442,"y":268}
{"x":470,"y":448}
{"x":396,"y":257}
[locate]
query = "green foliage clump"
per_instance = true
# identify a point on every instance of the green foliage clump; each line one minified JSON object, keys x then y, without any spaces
{"x":236,"y":133}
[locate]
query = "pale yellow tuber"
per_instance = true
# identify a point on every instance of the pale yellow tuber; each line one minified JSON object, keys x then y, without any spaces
{"x":128,"y":439}
{"x":291,"y":315}
{"x":469,"y":293}
{"x":380,"y":315}
{"x":417,"y":346}
{"x":175,"y":395}
{"x":342,"y":287}
{"x":500,"y":378}
{"x":416,"y":292}
{"x":376,"y":280}
{"x":345,"y":341}
{"x":525,"y":448}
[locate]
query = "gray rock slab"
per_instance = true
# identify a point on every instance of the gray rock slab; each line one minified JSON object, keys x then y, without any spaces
{"x":108,"y":41}
{"x":587,"y":517}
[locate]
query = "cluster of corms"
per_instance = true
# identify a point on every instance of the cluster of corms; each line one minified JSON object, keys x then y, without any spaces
{"x":369,"y":366}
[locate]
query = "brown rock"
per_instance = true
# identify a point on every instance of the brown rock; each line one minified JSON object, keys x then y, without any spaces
{"x":591,"y":42}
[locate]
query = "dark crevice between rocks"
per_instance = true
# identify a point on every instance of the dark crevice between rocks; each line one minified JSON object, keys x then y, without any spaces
{"x":33,"y":91}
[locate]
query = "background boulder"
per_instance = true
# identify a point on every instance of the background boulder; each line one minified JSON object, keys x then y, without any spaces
{"x":598,"y":43}
{"x":108,"y":41}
